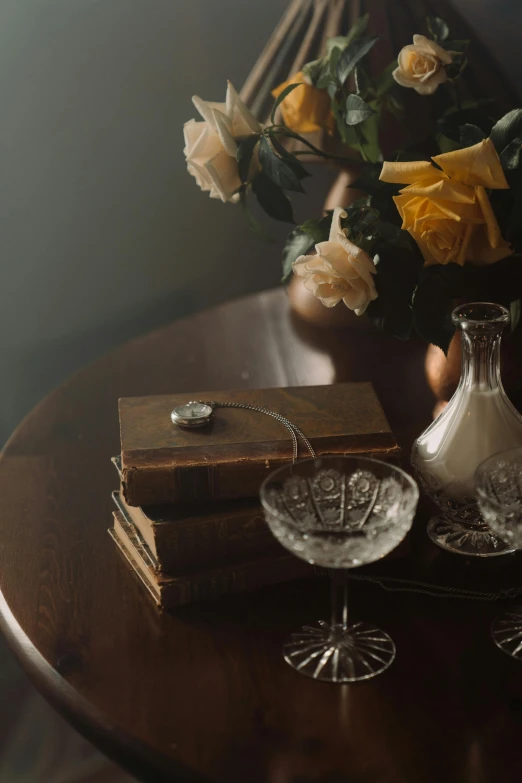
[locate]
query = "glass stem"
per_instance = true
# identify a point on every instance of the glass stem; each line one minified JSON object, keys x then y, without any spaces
{"x":339,"y":579}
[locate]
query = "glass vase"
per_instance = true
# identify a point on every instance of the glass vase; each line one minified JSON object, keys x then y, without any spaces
{"x":478,"y":422}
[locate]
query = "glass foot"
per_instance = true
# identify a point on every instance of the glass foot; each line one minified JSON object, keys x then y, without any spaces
{"x":331,"y":654}
{"x":464,"y":537}
{"x":507,"y":633}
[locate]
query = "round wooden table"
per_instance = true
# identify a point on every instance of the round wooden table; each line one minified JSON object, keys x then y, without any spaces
{"x":202,"y":693}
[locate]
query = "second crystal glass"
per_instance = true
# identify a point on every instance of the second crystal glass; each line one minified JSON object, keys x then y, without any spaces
{"x":340,"y":513}
{"x":499,"y":492}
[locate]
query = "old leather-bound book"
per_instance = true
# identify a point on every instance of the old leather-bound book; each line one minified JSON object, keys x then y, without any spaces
{"x":200,"y":535}
{"x":197,"y":585}
{"x":162,"y":462}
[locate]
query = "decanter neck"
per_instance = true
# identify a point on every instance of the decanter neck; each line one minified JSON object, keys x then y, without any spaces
{"x":481,"y":326}
{"x":480,"y":362}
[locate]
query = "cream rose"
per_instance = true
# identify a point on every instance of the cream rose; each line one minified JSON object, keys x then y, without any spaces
{"x":421,"y":65}
{"x":211,"y":146}
{"x":338,"y":270}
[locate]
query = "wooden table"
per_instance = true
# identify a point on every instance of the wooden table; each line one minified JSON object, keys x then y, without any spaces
{"x":203,"y":694}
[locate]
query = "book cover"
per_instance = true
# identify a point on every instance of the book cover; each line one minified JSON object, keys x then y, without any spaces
{"x":191,"y":586}
{"x":229,"y":458}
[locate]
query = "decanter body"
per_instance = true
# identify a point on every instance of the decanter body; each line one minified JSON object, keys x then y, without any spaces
{"x":478,"y":421}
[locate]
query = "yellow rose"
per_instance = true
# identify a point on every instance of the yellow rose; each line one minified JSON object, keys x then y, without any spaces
{"x":338,"y":270}
{"x":421,"y":65}
{"x":306,"y":109}
{"x":447,"y":211}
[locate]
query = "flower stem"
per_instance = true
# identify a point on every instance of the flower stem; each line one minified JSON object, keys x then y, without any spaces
{"x":360,"y":140}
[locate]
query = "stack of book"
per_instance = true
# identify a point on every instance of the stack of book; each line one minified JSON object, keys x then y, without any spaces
{"x":187,"y":515}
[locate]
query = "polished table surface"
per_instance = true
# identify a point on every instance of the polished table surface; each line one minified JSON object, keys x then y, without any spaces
{"x":202,"y":693}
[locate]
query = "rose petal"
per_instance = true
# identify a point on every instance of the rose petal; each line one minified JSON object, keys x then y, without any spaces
{"x":223,"y":125}
{"x":449,"y":190}
{"x":476,"y":165}
{"x":192,"y":130}
{"x":206,"y":109}
{"x":431,"y":47}
{"x":243,"y":121}
{"x":335,"y":226}
{"x":409,"y":172}
{"x":482,"y":254}
{"x":207,"y":146}
{"x":428,"y":87}
{"x":492,"y":227}
{"x":223,"y":171}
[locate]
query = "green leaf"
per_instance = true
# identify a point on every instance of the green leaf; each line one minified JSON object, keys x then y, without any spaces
{"x":244,"y":154}
{"x":334,"y":59}
{"x":337,"y":42}
{"x":351,"y":56}
{"x":438,"y":28}
{"x":313,"y":69}
{"x":272,"y":199}
{"x":391,"y":315}
{"x":357,"y":110}
{"x":470,"y":135}
{"x":318,"y":230}
{"x":456,"y":66}
{"x":325,"y":79}
{"x":510,"y":155}
{"x":363,"y":83}
{"x":449,"y":124}
{"x":295,"y":165}
{"x":457,"y":45}
{"x":339,"y":119}
{"x":433,"y":302}
{"x":358,"y":28}
{"x":281,"y":97}
{"x":507,"y":129}
{"x":277,"y":169}
{"x":297,"y":244}
{"x":396,"y":278}
{"x":369,"y":181}
{"x":370,"y":131}
{"x":385,"y":81}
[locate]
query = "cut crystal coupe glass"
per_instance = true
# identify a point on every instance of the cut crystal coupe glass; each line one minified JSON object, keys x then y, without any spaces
{"x":498,"y":483}
{"x":339,"y":513}
{"x":478,"y":421}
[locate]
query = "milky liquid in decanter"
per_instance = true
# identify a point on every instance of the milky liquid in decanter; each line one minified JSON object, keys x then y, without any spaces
{"x":475,"y":425}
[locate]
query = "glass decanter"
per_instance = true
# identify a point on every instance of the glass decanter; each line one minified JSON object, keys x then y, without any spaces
{"x":478,"y":421}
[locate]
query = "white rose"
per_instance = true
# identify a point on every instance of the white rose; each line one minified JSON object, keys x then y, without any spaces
{"x":211,"y":146}
{"x":338,"y":270}
{"x":421,"y":65}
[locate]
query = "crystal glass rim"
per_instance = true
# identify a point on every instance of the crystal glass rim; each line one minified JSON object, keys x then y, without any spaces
{"x":481,"y":492}
{"x":337,"y":458}
{"x":502,"y":317}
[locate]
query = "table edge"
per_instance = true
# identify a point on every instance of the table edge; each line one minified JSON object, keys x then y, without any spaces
{"x":124,"y":749}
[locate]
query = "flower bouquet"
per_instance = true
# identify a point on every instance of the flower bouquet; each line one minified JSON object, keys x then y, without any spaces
{"x":440,"y":218}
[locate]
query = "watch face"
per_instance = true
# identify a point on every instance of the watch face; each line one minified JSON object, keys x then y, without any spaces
{"x":192,"y":414}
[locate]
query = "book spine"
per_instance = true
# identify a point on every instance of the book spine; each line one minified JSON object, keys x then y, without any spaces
{"x":206,"y":542}
{"x":199,"y":483}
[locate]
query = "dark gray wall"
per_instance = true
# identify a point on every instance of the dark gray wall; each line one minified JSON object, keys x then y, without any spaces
{"x":102,"y":232}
